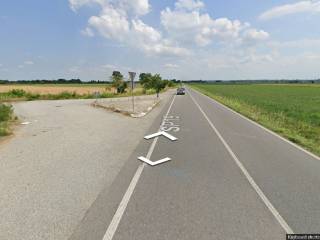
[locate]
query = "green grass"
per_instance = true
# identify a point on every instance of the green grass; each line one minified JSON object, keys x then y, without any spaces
{"x":6,"y":115}
{"x":292,"y":110}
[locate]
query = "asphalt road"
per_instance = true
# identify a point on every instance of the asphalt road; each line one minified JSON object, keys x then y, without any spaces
{"x":229,"y":178}
{"x":55,"y":167}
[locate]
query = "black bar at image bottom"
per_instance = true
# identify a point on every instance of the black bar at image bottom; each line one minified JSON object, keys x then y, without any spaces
{"x":303,"y":236}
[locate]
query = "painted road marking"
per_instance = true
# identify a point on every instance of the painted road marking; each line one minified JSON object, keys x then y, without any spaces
{"x":171,"y":123}
{"x":263,"y":197}
{"x":112,"y":228}
{"x":154,"y":163}
{"x":162,"y":133}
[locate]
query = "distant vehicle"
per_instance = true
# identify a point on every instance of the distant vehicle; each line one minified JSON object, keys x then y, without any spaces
{"x":181,"y":91}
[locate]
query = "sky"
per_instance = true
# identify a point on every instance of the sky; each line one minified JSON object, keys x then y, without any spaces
{"x":182,"y":39}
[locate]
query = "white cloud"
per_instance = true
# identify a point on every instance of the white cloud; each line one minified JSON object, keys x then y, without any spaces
{"x":185,"y":28}
{"x":87,"y":32}
{"x":118,"y":21}
{"x":76,"y":4}
{"x":194,"y":27}
{"x":112,"y":23}
{"x":312,"y":6}
{"x":171,"y":65}
{"x":189,"y":4}
{"x":253,"y":35}
{"x":109,"y":66}
{"x":145,"y":34}
{"x":139,"y":7}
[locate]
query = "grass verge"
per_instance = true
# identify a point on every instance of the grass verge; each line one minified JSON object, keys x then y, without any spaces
{"x":20,"y":94}
{"x":292,"y":112}
{"x":6,"y":117}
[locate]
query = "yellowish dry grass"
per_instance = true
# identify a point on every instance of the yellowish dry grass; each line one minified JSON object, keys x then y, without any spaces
{"x":56,"y":89}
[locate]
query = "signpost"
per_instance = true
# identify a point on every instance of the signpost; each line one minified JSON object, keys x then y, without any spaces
{"x":132,"y":76}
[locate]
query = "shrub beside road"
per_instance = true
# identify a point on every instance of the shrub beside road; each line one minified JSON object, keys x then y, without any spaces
{"x":292,"y":110}
{"x":6,"y":115}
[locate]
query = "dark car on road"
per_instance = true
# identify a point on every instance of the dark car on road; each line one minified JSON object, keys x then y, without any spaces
{"x":181,"y":91}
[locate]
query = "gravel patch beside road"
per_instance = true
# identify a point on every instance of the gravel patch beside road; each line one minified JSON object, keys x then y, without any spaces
{"x":56,"y":165}
{"x":142,"y":104}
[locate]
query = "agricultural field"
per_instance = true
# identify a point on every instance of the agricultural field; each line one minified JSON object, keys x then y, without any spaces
{"x":18,"y":92}
{"x":57,"y":88}
{"x":292,"y":110}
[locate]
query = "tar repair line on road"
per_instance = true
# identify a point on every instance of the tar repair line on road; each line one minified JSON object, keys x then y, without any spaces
{"x":112,"y":228}
{"x":263,"y":197}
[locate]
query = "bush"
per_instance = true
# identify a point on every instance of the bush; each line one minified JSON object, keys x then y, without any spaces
{"x":122,"y":87}
{"x":32,"y":96}
{"x":5,"y":112}
{"x":5,"y":116}
{"x":17,"y":92}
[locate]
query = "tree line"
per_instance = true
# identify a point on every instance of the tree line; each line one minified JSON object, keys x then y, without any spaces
{"x":146,"y":80}
{"x":55,"y":81}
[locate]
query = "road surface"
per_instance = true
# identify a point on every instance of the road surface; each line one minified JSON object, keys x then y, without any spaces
{"x":56,"y":165}
{"x":229,"y":178}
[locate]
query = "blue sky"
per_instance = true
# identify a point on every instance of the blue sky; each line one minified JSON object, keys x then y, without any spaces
{"x":183,"y":39}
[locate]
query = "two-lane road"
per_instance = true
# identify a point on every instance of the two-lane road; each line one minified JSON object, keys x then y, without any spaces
{"x":229,"y":178}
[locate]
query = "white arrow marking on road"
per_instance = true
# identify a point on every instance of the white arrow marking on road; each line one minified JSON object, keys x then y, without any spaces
{"x":146,"y":160}
{"x":172,"y":138}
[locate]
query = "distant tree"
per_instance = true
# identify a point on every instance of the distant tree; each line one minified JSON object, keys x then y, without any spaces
{"x":168,"y":83}
{"x":158,"y":84}
{"x":149,"y":81}
{"x":145,"y":80}
{"x":118,"y":82}
{"x":61,"y":80}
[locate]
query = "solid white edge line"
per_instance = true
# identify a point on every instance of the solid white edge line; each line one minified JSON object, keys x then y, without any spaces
{"x":112,"y":228}
{"x":259,"y":125}
{"x":263,"y":197}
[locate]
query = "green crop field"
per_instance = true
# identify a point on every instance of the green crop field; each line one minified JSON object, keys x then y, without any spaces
{"x":292,"y":110}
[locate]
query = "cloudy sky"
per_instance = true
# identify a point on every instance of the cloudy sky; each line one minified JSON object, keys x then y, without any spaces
{"x":183,"y":39}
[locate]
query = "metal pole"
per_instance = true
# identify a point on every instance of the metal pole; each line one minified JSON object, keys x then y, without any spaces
{"x":132,"y":76}
{"x":132,"y":98}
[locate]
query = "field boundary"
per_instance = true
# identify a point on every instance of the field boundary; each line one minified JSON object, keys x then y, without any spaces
{"x":258,"y":124}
